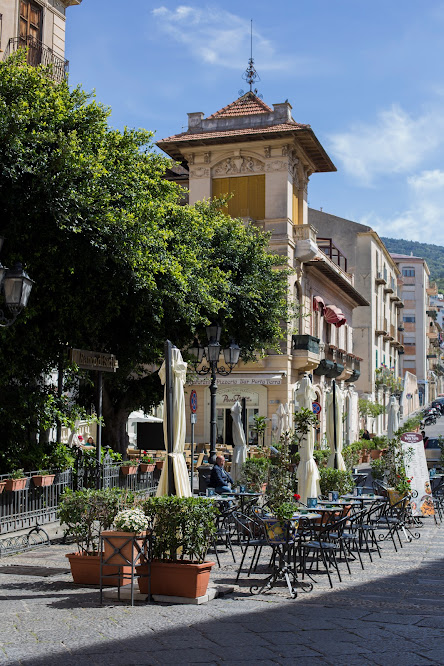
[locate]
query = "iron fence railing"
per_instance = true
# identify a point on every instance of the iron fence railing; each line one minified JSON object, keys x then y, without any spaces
{"x":33,"y":506}
{"x":38,"y":54}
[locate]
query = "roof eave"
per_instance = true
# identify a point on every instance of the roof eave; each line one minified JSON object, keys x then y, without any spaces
{"x":327,"y":271}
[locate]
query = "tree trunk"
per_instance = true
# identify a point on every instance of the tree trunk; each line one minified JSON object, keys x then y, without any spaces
{"x":114,"y":429}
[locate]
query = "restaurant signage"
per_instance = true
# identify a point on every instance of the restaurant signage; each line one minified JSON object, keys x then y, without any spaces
{"x":416,"y":469}
{"x":90,"y":360}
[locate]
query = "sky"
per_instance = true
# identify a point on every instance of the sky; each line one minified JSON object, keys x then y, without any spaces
{"x":367,"y":76}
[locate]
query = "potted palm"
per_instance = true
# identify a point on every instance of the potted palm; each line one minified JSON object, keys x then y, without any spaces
{"x":182,"y":529}
{"x":84,"y":514}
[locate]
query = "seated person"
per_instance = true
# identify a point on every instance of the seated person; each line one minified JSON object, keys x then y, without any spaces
{"x":220,"y":479}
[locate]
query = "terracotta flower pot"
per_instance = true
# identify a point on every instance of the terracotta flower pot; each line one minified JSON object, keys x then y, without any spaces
{"x":43,"y":480}
{"x":176,"y":579}
{"x":85,"y":570}
{"x":147,"y":467}
{"x":375,"y":454}
{"x":119,"y":548}
{"x":16,"y":484}
{"x":2,"y":486}
{"x":159,"y":464}
{"x":127,"y":470}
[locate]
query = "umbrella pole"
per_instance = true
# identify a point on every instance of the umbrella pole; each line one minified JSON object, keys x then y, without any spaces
{"x":334,"y":423}
{"x":244,"y":418}
{"x":169,"y":415}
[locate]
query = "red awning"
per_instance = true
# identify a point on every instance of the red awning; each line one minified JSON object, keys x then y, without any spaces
{"x":318,"y":304}
{"x":334,"y":315}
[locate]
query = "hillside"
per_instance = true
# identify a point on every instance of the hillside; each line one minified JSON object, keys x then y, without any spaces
{"x":433,"y":254}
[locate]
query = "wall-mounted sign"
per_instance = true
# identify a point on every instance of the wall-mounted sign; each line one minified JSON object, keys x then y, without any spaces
{"x":90,"y":360}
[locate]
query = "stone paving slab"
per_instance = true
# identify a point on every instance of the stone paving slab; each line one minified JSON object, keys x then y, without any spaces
{"x":391,"y":613}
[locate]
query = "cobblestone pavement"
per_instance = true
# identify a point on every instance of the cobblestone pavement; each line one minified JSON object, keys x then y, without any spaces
{"x":392,"y":613}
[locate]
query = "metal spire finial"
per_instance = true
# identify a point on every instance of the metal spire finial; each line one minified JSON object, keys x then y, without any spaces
{"x":250,"y":75}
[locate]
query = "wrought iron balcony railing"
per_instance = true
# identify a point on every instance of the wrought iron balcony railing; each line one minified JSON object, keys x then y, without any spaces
{"x":39,"y":54}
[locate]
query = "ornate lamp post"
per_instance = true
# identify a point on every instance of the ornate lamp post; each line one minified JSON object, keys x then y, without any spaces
{"x":16,"y":286}
{"x":212,"y":355}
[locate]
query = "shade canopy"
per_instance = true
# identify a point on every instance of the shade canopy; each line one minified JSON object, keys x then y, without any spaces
{"x":334,"y":315}
{"x":240,"y":445}
{"x":334,"y":412}
{"x":180,"y":472}
{"x":307,"y":473}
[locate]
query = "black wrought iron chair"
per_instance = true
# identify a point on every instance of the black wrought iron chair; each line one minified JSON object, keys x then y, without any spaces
{"x":250,"y":533}
{"x":325,"y":547}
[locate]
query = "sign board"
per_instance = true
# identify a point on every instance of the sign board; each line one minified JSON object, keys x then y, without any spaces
{"x":193,"y":419}
{"x":416,"y":469}
{"x":316,"y":408}
{"x":193,"y":401}
{"x":90,"y":360}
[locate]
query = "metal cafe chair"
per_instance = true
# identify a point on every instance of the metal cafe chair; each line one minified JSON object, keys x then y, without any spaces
{"x":326,"y":547}
{"x":250,"y":532}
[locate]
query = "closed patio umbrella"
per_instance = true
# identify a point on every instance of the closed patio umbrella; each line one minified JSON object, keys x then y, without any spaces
{"x":240,"y":446}
{"x":393,"y":417}
{"x":307,"y":473}
{"x":334,"y":411}
{"x":287,"y":418}
{"x":280,"y":413}
{"x":180,"y":473}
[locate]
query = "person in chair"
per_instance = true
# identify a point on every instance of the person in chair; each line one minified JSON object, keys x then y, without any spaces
{"x":220,"y":479}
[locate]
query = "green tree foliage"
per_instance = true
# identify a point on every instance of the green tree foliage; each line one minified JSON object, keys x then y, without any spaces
{"x":119,"y":265}
{"x":433,"y":254}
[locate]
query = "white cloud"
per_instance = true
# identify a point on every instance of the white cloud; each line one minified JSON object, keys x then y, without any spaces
{"x":395,"y":143}
{"x":218,"y":37}
{"x":424,"y":218}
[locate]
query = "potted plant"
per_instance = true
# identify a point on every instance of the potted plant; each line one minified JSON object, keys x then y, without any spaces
{"x":16,"y":481}
{"x":254,"y":473}
{"x":378,"y":466}
{"x":182,"y":529}
{"x":43,"y":478}
{"x":123,"y":544}
{"x":335,"y":479}
{"x":379,"y":445}
{"x":84,"y":513}
{"x":2,"y":486}
{"x":147,"y":463}
{"x":128,"y":467}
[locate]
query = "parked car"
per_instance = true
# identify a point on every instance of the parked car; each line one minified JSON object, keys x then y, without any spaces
{"x":432,"y":452}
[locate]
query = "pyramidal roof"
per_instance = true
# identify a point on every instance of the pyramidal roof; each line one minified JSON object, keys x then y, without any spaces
{"x":246,"y":105}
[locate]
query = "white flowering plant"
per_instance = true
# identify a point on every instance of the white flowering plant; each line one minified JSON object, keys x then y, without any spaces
{"x":131,"y":520}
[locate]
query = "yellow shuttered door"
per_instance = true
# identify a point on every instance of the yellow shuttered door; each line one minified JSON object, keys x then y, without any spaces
{"x":248,"y":195}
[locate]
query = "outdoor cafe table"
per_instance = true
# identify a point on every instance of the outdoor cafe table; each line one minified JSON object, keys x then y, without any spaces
{"x":363,"y":498}
{"x":338,"y":502}
{"x":243,"y":497}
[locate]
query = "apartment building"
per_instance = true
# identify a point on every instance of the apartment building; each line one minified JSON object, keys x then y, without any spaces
{"x":421,"y":326}
{"x":264,"y":158}
{"x":38,"y":25}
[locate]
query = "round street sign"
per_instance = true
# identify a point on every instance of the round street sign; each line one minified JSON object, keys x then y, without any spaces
{"x":316,"y":408}
{"x":193,"y":402}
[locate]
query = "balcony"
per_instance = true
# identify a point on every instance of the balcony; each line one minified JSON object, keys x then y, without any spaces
{"x":432,"y":289}
{"x":380,"y":278}
{"x":305,"y":352}
{"x":327,"y":246}
{"x":39,"y":54}
{"x":382,"y":327}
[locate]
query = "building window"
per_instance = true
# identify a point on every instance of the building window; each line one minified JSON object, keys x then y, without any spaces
{"x":30,"y":30}
{"x":408,"y":272}
{"x":409,"y":319}
{"x":409,"y":365}
{"x":248,"y":198}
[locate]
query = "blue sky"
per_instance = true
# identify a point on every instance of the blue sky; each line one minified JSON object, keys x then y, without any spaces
{"x":367,"y":76}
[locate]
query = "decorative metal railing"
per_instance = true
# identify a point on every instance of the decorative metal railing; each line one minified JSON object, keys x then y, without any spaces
{"x":38,"y":54}
{"x":33,"y":506}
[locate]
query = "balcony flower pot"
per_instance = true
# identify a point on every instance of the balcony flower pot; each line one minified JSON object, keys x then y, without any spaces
{"x":159,"y":464}
{"x":85,"y":570}
{"x":2,"y":486}
{"x":128,"y":470}
{"x":15,"y":484}
{"x":146,"y":467}
{"x":41,"y":480}
{"x":176,"y":579}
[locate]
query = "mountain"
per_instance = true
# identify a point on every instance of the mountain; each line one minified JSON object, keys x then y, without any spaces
{"x":433,"y":254}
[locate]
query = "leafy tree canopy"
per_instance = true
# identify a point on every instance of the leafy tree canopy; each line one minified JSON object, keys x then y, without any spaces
{"x":119,"y":265}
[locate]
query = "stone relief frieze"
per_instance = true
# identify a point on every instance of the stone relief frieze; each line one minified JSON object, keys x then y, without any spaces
{"x":234,"y":165}
{"x":276,"y":165}
{"x":199,"y":172}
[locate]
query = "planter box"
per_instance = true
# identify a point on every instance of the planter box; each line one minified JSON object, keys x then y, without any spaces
{"x":85,"y":570}
{"x":119,"y":547}
{"x":159,"y":464}
{"x":15,"y":484}
{"x":127,"y":470}
{"x":147,"y":467}
{"x":176,"y":579}
{"x":43,"y":480}
{"x":306,"y":342}
{"x":2,"y":486}
{"x":376,"y":453}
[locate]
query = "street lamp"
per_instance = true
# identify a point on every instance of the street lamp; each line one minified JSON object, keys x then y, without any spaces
{"x":16,"y":286}
{"x":212,"y":355}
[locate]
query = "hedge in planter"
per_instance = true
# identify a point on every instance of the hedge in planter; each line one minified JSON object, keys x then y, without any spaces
{"x":182,"y":529}
{"x":335,"y":479}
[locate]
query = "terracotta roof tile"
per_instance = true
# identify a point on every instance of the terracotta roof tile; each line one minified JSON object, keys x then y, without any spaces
{"x":246,"y":105}
{"x":198,"y":136}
